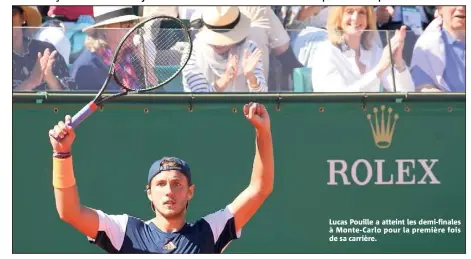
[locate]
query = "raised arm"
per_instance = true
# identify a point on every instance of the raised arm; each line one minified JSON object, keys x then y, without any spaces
{"x":67,"y":198}
{"x":261,"y":182}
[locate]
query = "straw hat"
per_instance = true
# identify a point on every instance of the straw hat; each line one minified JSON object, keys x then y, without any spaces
{"x":160,"y":10}
{"x":224,"y":25}
{"x":105,"y":15}
{"x":32,"y":16}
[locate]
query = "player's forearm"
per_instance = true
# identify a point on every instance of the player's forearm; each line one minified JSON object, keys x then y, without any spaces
{"x":263,"y":168}
{"x":67,"y":198}
{"x":65,"y":189}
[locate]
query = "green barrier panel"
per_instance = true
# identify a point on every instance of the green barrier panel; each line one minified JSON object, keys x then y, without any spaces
{"x":332,"y":166}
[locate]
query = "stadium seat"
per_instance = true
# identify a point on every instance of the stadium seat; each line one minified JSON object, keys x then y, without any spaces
{"x":302,"y":80}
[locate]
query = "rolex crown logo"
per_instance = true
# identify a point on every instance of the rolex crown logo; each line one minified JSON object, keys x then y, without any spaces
{"x":382,"y":131}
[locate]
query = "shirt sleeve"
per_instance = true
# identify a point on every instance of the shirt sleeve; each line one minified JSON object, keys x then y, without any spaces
{"x":258,"y":73}
{"x":111,"y":232}
{"x":193,"y":79}
{"x":420,"y":77}
{"x":420,"y":65}
{"x":404,"y":82}
{"x":223,"y":228}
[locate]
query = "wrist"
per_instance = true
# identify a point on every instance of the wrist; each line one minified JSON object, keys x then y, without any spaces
{"x":263,"y":132}
{"x":49,"y":77}
{"x":252,"y":80}
{"x":249,"y":75}
{"x":31,"y":84}
{"x":61,"y":154}
{"x":220,"y":84}
{"x":400,"y":66}
{"x":380,"y":70}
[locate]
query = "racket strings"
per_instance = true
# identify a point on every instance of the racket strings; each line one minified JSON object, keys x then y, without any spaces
{"x":152,"y":54}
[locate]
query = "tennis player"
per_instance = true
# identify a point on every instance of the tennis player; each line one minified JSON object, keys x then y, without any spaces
{"x":169,"y":189}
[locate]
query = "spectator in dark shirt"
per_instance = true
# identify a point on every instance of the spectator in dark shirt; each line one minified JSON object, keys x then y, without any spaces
{"x":91,"y":67}
{"x":36,"y":64}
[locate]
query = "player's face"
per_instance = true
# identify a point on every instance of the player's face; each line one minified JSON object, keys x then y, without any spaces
{"x":169,"y":192}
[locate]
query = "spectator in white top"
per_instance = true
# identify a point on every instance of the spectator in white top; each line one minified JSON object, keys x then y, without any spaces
{"x":223,"y":59}
{"x":268,"y":33}
{"x":350,"y":61}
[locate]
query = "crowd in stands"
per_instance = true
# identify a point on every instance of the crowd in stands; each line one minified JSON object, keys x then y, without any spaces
{"x":253,"y":48}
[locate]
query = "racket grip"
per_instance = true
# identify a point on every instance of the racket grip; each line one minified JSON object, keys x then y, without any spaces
{"x":83,"y":114}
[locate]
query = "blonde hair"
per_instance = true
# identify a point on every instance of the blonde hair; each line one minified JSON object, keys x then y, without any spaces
{"x":96,"y":40}
{"x":335,"y":31}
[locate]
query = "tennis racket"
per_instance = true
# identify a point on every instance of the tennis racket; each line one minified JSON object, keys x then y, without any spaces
{"x":150,"y":55}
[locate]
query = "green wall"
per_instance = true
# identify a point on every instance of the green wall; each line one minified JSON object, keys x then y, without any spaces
{"x":115,"y":147}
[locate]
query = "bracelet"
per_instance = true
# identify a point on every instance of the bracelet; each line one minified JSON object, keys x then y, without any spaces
{"x":61,"y":155}
{"x":402,"y":69}
{"x":256,"y":85}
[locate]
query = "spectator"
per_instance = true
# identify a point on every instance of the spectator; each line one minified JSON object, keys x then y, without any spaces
{"x":36,"y":64}
{"x":416,"y":18}
{"x":91,"y":67}
{"x":69,"y":13}
{"x":351,"y":61}
{"x":267,"y":32}
{"x":54,"y":32}
{"x":148,"y":10}
{"x":223,"y":59}
{"x":438,"y":62}
{"x":296,"y":18}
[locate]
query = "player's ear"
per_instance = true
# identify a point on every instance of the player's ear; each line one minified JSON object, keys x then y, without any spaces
{"x":191,"y":191}
{"x":149,"y":194}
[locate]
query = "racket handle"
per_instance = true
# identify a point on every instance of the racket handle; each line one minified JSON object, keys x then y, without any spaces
{"x":83,"y":114}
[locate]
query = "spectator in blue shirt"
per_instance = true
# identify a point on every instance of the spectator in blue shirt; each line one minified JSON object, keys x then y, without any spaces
{"x":438,"y":62}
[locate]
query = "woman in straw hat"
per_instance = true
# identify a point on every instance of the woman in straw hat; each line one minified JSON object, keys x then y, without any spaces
{"x":36,"y":64}
{"x":91,"y":67}
{"x":223,"y":60}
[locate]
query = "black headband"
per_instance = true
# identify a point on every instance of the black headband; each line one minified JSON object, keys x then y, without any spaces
{"x":229,"y":26}
{"x":114,"y":14}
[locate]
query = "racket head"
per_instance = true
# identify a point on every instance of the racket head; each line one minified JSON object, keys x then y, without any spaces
{"x":152,"y":53}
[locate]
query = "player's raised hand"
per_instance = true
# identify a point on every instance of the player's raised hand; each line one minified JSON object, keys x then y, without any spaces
{"x":257,"y":114}
{"x":62,"y":136}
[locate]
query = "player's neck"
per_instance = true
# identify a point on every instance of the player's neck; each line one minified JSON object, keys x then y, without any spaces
{"x":169,"y":225}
